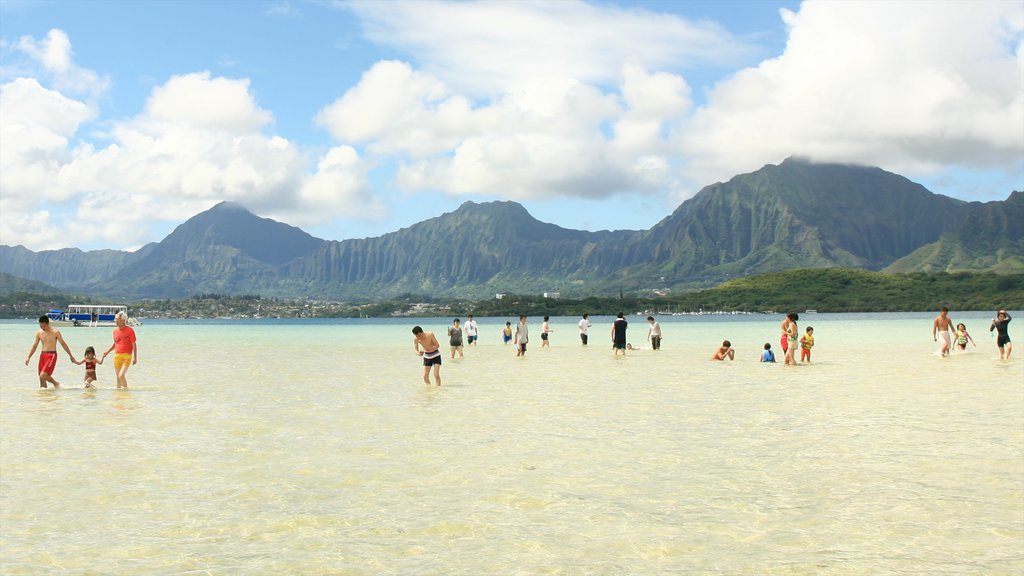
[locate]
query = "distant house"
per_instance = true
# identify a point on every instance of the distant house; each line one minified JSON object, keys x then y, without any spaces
{"x":499,"y":295}
{"x":552,"y":295}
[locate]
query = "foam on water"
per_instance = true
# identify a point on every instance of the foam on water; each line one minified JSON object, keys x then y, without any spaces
{"x":315,"y":448}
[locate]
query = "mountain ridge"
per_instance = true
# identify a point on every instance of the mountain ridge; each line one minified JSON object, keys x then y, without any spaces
{"x":793,"y":215}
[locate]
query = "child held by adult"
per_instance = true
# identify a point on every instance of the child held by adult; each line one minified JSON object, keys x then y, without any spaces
{"x":963,"y":337}
{"x":90,"y":360}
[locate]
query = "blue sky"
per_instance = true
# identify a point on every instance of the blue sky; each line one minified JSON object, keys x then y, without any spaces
{"x":120,"y":120}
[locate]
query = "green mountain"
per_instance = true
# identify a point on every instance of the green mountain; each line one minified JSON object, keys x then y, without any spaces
{"x":796,"y":215}
{"x":69,"y":268}
{"x":476,"y":250}
{"x":990,"y":237}
{"x":12,"y":285}
{"x":226,"y":249}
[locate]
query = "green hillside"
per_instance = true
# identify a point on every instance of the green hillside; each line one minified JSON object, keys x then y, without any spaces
{"x":846,"y":290}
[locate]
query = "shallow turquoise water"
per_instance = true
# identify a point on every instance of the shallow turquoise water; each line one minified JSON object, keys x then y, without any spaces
{"x":314,"y":448}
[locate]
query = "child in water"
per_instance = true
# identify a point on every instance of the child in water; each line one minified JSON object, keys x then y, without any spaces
{"x":962,"y":337}
{"x":506,"y":333}
{"x":90,"y":360}
{"x":806,"y":343}
{"x":767,"y":355}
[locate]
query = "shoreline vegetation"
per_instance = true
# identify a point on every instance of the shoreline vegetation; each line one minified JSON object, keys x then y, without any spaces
{"x":823,"y":290}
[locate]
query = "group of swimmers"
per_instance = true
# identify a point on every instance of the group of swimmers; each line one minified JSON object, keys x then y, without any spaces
{"x":788,"y":341}
{"x":125,"y":348}
{"x":426,"y":344}
{"x":943,"y":328}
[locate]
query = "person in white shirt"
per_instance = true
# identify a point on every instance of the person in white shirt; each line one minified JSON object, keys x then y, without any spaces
{"x":522,"y":337}
{"x":584,"y":325}
{"x":471,"y":332}
{"x":654,"y":333}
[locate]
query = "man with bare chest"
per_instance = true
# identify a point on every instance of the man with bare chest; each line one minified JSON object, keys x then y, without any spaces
{"x":942,"y":327}
{"x":48,"y":337}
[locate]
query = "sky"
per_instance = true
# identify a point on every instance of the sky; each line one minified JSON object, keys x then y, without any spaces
{"x":120,"y":120}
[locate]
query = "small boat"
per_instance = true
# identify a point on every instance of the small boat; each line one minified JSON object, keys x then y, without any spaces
{"x":810,"y":311}
{"x":92,"y":315}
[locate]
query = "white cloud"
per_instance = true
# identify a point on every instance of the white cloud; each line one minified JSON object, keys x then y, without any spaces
{"x":549,"y":136}
{"x":198,"y":141}
{"x":520,"y":100}
{"x":208,"y":103}
{"x":339,"y":186}
{"x":36,"y":126}
{"x":487,"y":48}
{"x":55,"y":55}
{"x":544,"y":138}
{"x":913,"y":87}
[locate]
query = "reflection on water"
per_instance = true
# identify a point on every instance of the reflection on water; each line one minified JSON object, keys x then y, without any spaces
{"x":123,"y":400}
{"x":315,"y":448}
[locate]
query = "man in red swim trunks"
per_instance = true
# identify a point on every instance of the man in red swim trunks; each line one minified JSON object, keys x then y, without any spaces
{"x":49,"y":337}
{"x":126,"y":351}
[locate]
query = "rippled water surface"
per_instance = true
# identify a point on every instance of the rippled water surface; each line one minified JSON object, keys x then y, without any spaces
{"x":313,"y":447}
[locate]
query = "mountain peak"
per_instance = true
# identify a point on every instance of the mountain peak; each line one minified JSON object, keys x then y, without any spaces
{"x":231,"y":224}
{"x":228,"y":205}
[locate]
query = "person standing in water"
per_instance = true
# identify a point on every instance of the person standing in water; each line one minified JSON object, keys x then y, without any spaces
{"x":522,"y":336}
{"x":943,"y":327}
{"x":1001,"y":326}
{"x":49,"y":337}
{"x":425,"y":345}
{"x":806,"y":343}
{"x":90,"y":360}
{"x":545,"y":329}
{"x":619,"y":334}
{"x":471,"y":331}
{"x":963,"y":337}
{"x":654,"y":333}
{"x":584,"y":326}
{"x":789,"y":335}
{"x":125,"y":348}
{"x":455,"y":338}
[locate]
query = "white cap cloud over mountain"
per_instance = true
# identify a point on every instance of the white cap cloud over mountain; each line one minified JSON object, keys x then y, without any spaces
{"x":908,"y":86}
